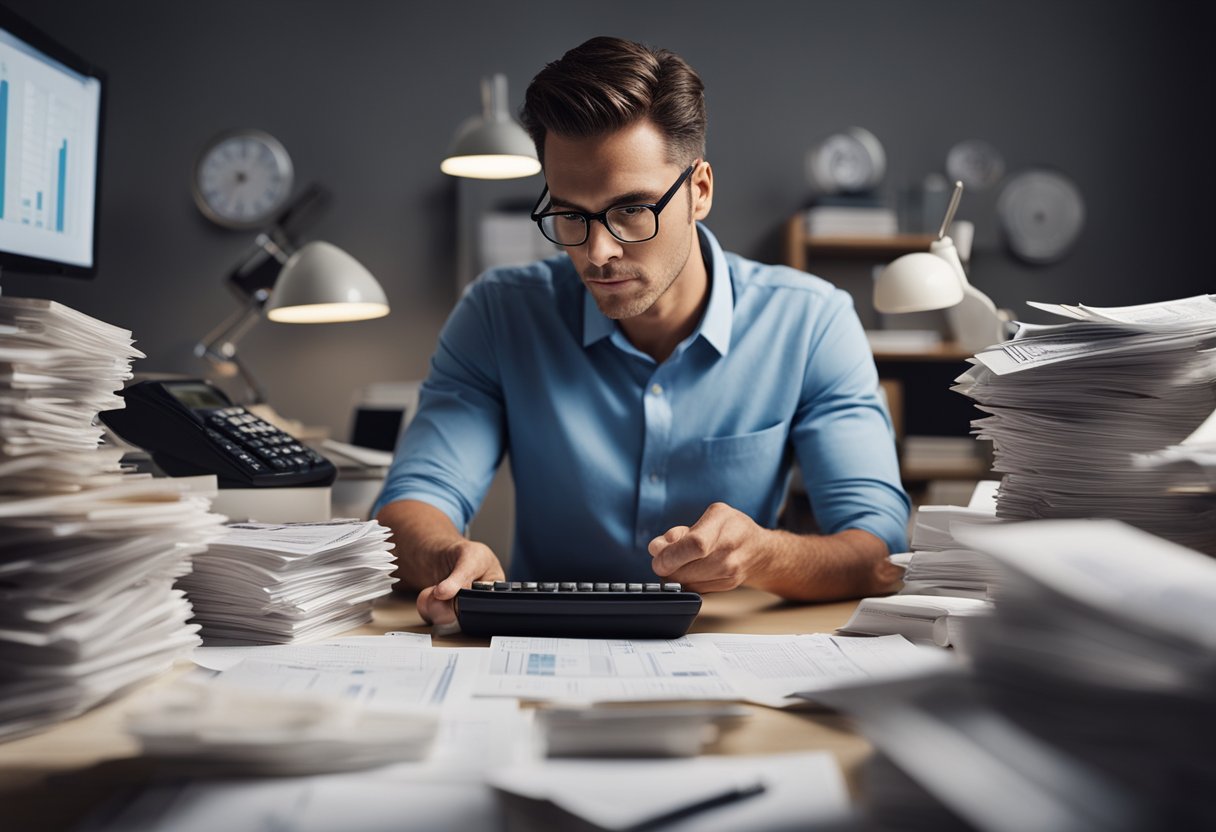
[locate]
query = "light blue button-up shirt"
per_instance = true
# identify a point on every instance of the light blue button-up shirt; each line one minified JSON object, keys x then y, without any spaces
{"x":609,"y":449}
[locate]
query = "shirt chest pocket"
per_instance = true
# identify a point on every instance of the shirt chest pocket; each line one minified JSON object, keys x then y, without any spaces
{"x":743,"y":470}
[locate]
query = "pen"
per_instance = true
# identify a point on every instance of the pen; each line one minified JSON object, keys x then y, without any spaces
{"x":734,"y":795}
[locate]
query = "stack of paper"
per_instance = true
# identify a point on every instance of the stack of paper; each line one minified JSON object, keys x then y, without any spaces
{"x":1087,"y":696}
{"x":1073,"y":404}
{"x":88,"y":552}
{"x":276,"y":583}
{"x":941,"y":566}
{"x":934,"y":619}
{"x":209,"y":729}
{"x":660,"y":730}
{"x":1191,"y":465}
{"x":1103,"y":645}
{"x":58,"y":369}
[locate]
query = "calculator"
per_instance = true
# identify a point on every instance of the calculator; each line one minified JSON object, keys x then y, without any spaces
{"x":190,"y":427}
{"x":571,"y":609}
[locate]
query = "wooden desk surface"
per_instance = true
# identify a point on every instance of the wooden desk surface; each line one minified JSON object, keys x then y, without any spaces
{"x":54,"y":779}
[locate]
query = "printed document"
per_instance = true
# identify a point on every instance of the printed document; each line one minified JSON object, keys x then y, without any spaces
{"x":762,"y":669}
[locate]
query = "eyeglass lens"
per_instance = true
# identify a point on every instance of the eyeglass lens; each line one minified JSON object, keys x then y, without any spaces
{"x":628,"y":223}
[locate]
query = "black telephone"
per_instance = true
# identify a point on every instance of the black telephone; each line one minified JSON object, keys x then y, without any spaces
{"x":190,"y":427}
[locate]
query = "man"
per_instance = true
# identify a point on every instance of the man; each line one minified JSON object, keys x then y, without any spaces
{"x":650,"y":389}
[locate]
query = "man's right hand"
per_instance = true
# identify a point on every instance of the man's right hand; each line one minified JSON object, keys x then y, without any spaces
{"x":468,"y":561}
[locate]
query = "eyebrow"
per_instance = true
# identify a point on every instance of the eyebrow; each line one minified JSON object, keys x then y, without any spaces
{"x":629,"y":198}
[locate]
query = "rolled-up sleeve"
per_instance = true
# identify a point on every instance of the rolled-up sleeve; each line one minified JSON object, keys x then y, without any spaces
{"x":842,"y":433}
{"x":448,"y":454}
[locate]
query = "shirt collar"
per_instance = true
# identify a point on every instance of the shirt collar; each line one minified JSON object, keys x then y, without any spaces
{"x":715,"y":326}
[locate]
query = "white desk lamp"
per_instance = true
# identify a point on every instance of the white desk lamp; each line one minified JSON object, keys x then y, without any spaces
{"x":318,"y":283}
{"x":492,"y":145}
{"x":935,"y":279}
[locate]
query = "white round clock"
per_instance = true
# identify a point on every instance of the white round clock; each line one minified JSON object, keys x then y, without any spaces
{"x":1041,"y":213}
{"x":242,"y":178}
{"x":846,"y":162}
{"x":978,"y":165}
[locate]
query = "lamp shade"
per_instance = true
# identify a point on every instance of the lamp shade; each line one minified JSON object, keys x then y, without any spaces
{"x":917,"y":282}
{"x":321,"y":283}
{"x":492,"y":145}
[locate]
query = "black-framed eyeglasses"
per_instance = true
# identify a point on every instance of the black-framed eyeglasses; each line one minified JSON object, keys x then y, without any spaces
{"x":635,"y":223}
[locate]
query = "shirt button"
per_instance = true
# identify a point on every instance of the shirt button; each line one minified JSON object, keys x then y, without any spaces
{"x":656,"y":389}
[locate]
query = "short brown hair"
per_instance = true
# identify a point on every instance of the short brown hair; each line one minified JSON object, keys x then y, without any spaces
{"x":606,"y":84}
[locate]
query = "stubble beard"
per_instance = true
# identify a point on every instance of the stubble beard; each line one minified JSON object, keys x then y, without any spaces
{"x":647,"y":293}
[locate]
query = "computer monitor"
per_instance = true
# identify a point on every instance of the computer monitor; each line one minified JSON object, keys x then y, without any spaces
{"x":50,"y":153}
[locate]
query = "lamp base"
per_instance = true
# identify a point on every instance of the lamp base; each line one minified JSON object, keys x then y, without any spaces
{"x":975,"y":322}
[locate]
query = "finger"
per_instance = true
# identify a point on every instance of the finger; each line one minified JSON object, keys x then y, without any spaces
{"x":468,"y":568}
{"x":699,"y":542}
{"x":433,"y":610}
{"x":718,"y":571}
{"x":666,"y":539}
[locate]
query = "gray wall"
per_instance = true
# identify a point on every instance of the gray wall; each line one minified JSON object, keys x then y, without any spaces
{"x":366,"y":95}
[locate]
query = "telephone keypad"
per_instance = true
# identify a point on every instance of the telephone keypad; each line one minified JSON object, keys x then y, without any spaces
{"x":258,"y":445}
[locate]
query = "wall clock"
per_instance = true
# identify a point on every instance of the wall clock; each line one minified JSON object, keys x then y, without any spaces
{"x":978,"y":165}
{"x":1041,"y":214}
{"x":847,"y":162}
{"x":242,"y":178}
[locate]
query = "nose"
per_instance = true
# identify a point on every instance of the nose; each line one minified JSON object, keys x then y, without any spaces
{"x":601,"y":245}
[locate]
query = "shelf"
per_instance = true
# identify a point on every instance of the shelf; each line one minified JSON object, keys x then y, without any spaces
{"x":924,"y":473}
{"x":947,"y":351}
{"x":800,"y":248}
{"x":869,"y":246}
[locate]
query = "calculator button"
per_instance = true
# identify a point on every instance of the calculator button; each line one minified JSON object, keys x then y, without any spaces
{"x":634,"y":587}
{"x":616,"y":587}
{"x":583,"y":587}
{"x":652,"y":587}
{"x":500,"y":586}
{"x":601,"y":587}
{"x":548,"y":587}
{"x":483,"y":584}
{"x":516,"y":585}
{"x":529,"y":586}
{"x":671,"y":587}
{"x":568,"y":587}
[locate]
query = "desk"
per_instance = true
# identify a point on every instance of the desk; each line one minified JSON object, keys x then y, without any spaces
{"x":91,"y":757}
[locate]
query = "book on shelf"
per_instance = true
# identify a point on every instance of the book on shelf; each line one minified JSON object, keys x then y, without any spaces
{"x":852,"y":215}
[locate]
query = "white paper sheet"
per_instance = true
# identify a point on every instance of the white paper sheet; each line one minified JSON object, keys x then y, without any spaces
{"x":381,"y":676}
{"x":707,"y":666}
{"x":225,"y":658}
{"x":800,"y":790}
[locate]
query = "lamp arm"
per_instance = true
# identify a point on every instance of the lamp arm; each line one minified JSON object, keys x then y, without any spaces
{"x":219,"y":346}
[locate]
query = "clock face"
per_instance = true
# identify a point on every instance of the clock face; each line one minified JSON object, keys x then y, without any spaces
{"x":242,"y":178}
{"x":847,"y":162}
{"x":978,"y":165}
{"x":1041,"y":213}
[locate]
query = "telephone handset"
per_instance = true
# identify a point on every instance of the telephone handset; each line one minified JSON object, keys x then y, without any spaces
{"x":190,"y":427}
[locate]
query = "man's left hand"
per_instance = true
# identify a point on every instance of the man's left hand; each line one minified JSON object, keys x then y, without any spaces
{"x":722,"y":550}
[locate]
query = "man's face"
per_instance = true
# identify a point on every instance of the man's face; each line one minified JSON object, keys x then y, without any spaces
{"x":628,"y":166}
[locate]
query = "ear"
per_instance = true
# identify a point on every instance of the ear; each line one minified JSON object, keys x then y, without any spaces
{"x":702,"y":191}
